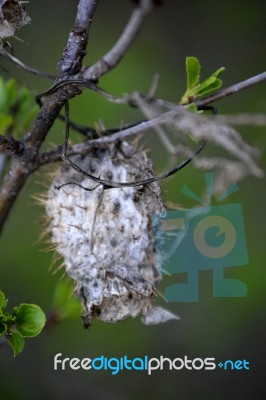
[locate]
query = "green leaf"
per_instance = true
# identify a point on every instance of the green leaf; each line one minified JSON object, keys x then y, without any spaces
{"x":209,"y":85}
{"x":29,"y":319}
{"x":17,"y":342}
{"x":3,"y":300}
{"x":3,"y":328}
{"x":5,"y":122}
{"x":11,"y":92}
{"x":2,"y":95}
{"x":219,"y":71}
{"x":5,"y":316}
{"x":17,"y":108}
{"x":193,"y":72}
{"x":194,"y":87}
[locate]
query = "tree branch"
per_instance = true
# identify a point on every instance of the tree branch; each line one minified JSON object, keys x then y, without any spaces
{"x":114,"y":56}
{"x":106,"y":138}
{"x":70,"y":63}
{"x":69,"y":83}
{"x":232,"y":89}
{"x":9,"y":144}
{"x":75,"y":50}
{"x":21,"y":65}
{"x":12,"y":185}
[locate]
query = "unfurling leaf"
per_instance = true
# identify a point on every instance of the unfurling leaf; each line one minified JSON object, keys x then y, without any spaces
{"x":3,"y":300}
{"x":29,"y":319}
{"x":193,"y":72}
{"x":17,"y":342}
{"x":194,"y":87}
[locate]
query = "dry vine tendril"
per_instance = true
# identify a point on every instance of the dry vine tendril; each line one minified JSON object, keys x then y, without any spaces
{"x":110,"y":184}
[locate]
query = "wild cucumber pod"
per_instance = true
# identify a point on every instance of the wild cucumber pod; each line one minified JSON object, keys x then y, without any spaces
{"x":12,"y":17}
{"x":106,"y":235}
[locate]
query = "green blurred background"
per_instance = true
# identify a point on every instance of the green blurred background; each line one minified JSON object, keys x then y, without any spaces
{"x":230,"y":34}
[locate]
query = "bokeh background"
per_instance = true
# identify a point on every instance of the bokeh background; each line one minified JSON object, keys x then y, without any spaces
{"x":230,"y":34}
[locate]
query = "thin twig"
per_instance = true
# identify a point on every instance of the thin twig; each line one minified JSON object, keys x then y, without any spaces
{"x":79,"y":84}
{"x":131,"y":100}
{"x":151,"y":112}
{"x":12,"y":185}
{"x":25,"y":67}
{"x":92,"y":133}
{"x":243,"y":119}
{"x":82,"y":148}
{"x":232,"y":89}
{"x":110,"y":184}
{"x":114,"y":56}
{"x":55,"y":154}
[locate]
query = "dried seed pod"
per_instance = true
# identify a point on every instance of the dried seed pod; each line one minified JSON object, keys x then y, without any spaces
{"x":12,"y":17}
{"x":106,"y":237}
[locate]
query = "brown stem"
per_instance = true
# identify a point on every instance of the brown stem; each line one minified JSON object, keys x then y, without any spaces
{"x":75,"y":50}
{"x":9,"y":144}
{"x":114,"y":56}
{"x":12,"y":185}
{"x":70,"y":64}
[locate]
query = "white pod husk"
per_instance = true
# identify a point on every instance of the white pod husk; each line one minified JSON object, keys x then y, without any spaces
{"x":107,"y":239}
{"x":12,"y":17}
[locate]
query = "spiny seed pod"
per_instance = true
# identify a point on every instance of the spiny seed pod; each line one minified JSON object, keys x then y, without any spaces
{"x":12,"y":17}
{"x":106,"y":237}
